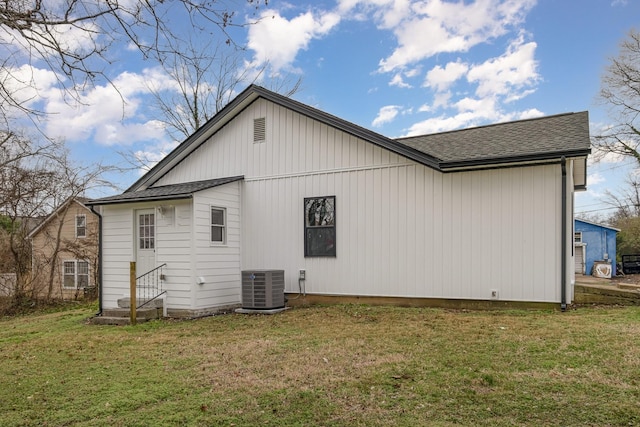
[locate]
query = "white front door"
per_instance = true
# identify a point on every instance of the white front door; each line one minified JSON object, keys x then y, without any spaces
{"x":145,"y":241}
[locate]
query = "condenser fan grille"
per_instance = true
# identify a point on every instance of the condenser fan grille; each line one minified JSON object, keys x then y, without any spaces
{"x":262,"y":289}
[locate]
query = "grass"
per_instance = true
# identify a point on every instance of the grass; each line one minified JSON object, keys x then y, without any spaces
{"x":345,"y":365}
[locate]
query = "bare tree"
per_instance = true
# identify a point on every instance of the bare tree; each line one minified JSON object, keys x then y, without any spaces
{"x":621,"y":94}
{"x":205,"y":79}
{"x":35,"y":178}
{"x":628,"y":239}
{"x":627,"y":201}
{"x":73,"y":38}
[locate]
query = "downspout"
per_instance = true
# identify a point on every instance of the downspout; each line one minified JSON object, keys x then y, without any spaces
{"x":99,"y":260}
{"x":563,"y":238}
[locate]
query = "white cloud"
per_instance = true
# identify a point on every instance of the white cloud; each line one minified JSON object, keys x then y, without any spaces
{"x":388,"y":13}
{"x":277,"y":40}
{"x":531,"y":113}
{"x":494,"y":82}
{"x":595,"y":178}
{"x":470,"y":112}
{"x":437,"y":26}
{"x":152,"y":154}
{"x":440,"y":124}
{"x":599,"y":155}
{"x":107,"y":115}
{"x":398,"y":81}
{"x":386,"y":114}
{"x":79,"y":39}
{"x":514,"y":70}
{"x":441,"y":79}
{"x":27,"y":85}
{"x":398,"y":78}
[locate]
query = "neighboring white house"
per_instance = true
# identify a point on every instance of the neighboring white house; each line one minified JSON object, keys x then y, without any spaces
{"x":270,"y":183}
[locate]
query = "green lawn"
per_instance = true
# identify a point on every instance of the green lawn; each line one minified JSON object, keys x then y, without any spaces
{"x":342,"y":365}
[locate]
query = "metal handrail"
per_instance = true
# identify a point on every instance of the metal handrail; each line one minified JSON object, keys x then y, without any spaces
{"x":150,"y":283}
{"x":151,"y":271}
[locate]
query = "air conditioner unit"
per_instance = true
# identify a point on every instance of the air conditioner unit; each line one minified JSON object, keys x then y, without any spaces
{"x":262,"y":289}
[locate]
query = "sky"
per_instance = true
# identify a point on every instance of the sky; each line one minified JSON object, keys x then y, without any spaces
{"x":397,"y":67}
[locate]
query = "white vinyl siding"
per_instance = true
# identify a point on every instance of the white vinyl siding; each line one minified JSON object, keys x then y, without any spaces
{"x":174,"y":248}
{"x":410,"y":231}
{"x":218,"y":264}
{"x":117,"y":251}
{"x":172,"y":244}
{"x":218,"y":226}
{"x":297,"y":145}
{"x":402,"y":229}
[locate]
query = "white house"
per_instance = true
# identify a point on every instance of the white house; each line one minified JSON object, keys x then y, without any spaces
{"x":482,"y":214}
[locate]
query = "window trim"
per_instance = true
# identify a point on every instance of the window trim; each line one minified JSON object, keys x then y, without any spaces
{"x":332,"y":251}
{"x":222,"y":226}
{"x":76,"y":264}
{"x":84,"y":228}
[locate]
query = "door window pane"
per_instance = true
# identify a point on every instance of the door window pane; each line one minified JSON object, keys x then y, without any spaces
{"x":146,"y":231}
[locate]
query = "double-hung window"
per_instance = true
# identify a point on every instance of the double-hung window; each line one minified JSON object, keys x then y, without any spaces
{"x":75,"y":274}
{"x":218,"y":226}
{"x":81,"y":226}
{"x":320,"y":226}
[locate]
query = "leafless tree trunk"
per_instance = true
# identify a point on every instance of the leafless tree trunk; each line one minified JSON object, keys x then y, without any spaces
{"x":52,"y":263}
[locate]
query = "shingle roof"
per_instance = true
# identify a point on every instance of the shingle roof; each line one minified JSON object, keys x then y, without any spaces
{"x":545,"y":139}
{"x":164,"y":192}
{"x":540,"y":138}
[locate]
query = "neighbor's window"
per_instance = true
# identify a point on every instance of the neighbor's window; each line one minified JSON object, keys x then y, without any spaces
{"x":320,"y":226}
{"x":81,"y":225}
{"x":75,"y":274}
{"x":577,"y":237}
{"x":218,"y":226}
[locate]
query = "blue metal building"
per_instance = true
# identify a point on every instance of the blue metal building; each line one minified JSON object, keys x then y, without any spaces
{"x":594,"y":242}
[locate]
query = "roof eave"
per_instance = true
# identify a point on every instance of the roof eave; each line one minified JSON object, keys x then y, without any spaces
{"x":49,"y":217}
{"x":196,"y":139}
{"x":536,"y":158}
{"x":100,"y":202}
{"x":596,"y":224}
{"x":242,"y":101}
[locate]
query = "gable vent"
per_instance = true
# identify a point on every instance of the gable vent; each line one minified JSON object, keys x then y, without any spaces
{"x":259,"y":129}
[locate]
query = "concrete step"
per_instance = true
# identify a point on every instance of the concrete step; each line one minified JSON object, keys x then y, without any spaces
{"x":629,"y":286}
{"x":126,"y":302}
{"x":141,"y":313}
{"x":121,"y":316}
